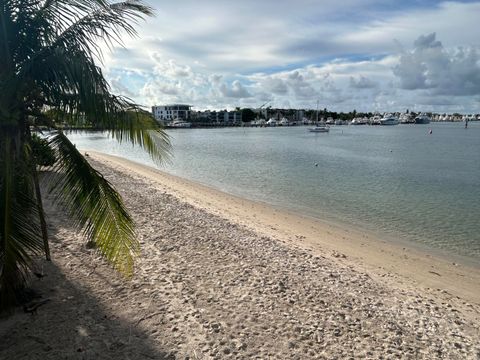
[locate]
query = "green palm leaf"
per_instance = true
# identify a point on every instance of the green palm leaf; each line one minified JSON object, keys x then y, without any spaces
{"x":139,"y":128}
{"x":94,"y":206}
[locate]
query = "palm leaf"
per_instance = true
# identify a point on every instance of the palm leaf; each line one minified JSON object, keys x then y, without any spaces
{"x":77,"y":86}
{"x":94,"y":206}
{"x":139,"y":128}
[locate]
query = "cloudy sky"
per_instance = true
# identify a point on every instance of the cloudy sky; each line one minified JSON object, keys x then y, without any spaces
{"x":351,"y":54}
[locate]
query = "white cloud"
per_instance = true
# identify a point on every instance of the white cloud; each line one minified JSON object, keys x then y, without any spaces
{"x":274,"y":85}
{"x":361,"y":82}
{"x":454,"y":22}
{"x":347,"y":54}
{"x":430,"y":66}
{"x":237,"y":90}
{"x":119,"y":88}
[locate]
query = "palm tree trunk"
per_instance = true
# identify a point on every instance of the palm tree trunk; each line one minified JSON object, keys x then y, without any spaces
{"x":43,"y":223}
{"x":38,"y":197}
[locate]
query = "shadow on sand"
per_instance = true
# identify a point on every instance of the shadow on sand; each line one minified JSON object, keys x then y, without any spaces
{"x":76,"y":322}
{"x":72,"y":325}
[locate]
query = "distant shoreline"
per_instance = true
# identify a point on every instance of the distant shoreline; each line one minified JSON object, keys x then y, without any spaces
{"x":203,"y":125}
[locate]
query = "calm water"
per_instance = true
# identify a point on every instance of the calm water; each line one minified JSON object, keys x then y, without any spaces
{"x":398,"y":180}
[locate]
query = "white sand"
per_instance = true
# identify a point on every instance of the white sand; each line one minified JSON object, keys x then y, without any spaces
{"x":223,"y":277}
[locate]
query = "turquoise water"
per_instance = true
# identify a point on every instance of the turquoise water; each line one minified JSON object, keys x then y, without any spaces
{"x":393,"y":180}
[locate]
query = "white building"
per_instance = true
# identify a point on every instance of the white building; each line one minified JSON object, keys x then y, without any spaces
{"x":167,"y":113}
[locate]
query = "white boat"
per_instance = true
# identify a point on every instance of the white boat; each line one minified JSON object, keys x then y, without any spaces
{"x":272,"y":122}
{"x":406,"y":119}
{"x":359,"y":121}
{"x":375,"y":119}
{"x":422,"y":119}
{"x":319,"y":129}
{"x":284,"y":122}
{"x":179,"y":124}
{"x":389,"y":120}
{"x":259,"y":122}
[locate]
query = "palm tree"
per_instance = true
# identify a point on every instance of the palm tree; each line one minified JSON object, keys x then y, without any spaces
{"x":48,"y":54}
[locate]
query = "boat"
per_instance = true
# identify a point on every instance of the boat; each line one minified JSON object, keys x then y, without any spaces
{"x":359,"y":121}
{"x":319,"y":129}
{"x":259,"y":122}
{"x":389,"y":120}
{"x":179,"y":124}
{"x":422,"y":119}
{"x":284,"y":122}
{"x":406,"y":119}
{"x":272,"y":122}
{"x":375,"y":119}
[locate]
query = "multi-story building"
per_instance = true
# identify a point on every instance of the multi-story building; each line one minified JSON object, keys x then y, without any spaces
{"x":299,"y":115}
{"x":217,"y":118}
{"x":229,"y":117}
{"x":167,"y":113}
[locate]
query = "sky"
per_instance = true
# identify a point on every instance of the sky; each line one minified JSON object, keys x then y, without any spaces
{"x":365,"y":55}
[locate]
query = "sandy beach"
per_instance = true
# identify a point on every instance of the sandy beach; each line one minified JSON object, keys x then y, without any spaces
{"x":223,"y":277}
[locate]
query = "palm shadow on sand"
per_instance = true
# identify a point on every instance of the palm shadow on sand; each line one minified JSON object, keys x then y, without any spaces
{"x":78,"y":322}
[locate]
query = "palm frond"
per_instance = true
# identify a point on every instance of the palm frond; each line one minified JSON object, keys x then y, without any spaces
{"x":94,"y":206}
{"x":69,"y":80}
{"x":84,"y":25}
{"x":139,"y":128}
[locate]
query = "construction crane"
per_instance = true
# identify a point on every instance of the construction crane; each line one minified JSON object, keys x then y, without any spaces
{"x":261,"y":107}
{"x":264,"y":105}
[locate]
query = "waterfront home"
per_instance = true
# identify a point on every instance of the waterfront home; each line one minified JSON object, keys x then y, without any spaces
{"x":165,"y":114}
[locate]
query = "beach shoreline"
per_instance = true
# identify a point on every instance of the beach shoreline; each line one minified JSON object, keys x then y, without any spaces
{"x":220,"y":277}
{"x":397,"y":260}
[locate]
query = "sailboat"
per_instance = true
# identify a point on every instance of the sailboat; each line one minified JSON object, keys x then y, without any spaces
{"x":319,"y":128}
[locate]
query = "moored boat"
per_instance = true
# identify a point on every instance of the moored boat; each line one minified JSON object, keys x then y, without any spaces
{"x":259,"y":122}
{"x":179,"y":124}
{"x":319,"y":129}
{"x":406,"y":119}
{"x":359,"y":121}
{"x":389,"y":120}
{"x":271,"y":122}
{"x":422,"y":119}
{"x":330,"y":121}
{"x":375,"y":120}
